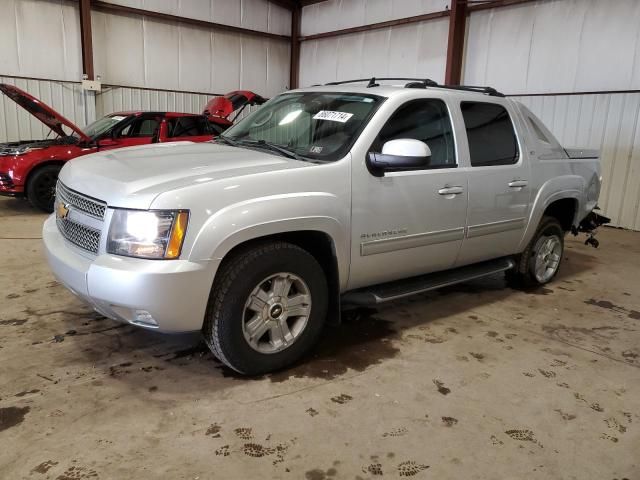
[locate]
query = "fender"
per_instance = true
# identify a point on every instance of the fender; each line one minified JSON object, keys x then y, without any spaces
{"x":271,"y":215}
{"x":557,"y":188}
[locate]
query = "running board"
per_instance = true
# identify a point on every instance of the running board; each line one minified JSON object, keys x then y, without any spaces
{"x":387,"y":292}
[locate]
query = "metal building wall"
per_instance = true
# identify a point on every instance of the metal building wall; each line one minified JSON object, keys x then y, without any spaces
{"x":138,"y":51}
{"x":259,"y":15}
{"x":68,"y":98}
{"x":339,"y":14}
{"x":555,"y":46}
{"x":414,"y":50}
{"x":122,"y":99}
{"x":40,"y":38}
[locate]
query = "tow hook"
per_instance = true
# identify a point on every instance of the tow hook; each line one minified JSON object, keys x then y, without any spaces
{"x":589,"y":225}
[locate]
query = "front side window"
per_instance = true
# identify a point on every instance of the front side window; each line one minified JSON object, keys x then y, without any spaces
{"x":311,"y":125}
{"x":492,"y":139}
{"x":140,"y":127}
{"x":425,"y":120}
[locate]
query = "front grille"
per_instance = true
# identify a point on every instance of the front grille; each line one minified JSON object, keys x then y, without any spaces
{"x":88,"y":205}
{"x":77,"y":207}
{"x":5,"y":180}
{"x":80,"y":235}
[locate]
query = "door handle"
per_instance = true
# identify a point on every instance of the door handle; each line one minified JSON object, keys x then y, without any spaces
{"x":450,"y":191}
{"x":518,"y":183}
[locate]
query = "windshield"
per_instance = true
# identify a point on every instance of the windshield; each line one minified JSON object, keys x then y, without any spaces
{"x":316,"y":125}
{"x":102,"y":125}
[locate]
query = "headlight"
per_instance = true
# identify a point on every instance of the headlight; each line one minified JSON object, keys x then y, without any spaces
{"x":147,"y":234}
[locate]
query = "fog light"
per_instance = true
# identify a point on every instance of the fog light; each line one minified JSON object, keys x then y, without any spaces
{"x":143,"y":317}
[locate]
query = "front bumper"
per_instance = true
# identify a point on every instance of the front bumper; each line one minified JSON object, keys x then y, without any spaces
{"x":8,"y":188}
{"x":174,"y":293}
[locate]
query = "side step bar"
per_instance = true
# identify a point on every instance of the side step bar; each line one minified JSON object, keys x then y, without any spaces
{"x":387,"y":292}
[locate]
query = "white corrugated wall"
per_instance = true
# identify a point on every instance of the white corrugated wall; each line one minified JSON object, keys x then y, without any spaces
{"x":139,"y":51}
{"x":413,"y":50}
{"x":40,"y":39}
{"x":417,"y":50}
{"x":340,"y":14}
{"x":120,"y":99}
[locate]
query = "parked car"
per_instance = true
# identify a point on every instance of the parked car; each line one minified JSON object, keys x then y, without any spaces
{"x":29,"y":168}
{"x":325,"y":195}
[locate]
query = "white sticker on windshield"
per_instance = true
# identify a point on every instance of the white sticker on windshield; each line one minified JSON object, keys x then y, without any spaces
{"x":341,"y":117}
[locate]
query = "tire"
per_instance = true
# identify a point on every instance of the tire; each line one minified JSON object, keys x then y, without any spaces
{"x":41,"y":188}
{"x":246,"y":299}
{"x":545,"y":248}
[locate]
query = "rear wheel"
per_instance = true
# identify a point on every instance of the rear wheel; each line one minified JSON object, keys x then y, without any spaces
{"x":540,"y":261}
{"x":267,"y":308}
{"x":41,"y":189}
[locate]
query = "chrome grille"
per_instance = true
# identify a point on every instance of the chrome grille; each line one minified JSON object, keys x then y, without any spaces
{"x":88,"y":205}
{"x":80,"y":235}
{"x":81,"y":219}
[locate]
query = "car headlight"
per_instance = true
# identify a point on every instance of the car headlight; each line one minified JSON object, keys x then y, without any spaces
{"x":154,"y":234}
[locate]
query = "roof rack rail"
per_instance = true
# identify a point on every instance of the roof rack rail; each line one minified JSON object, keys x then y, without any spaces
{"x":372,"y":81}
{"x":422,"y":83}
{"x":474,"y":88}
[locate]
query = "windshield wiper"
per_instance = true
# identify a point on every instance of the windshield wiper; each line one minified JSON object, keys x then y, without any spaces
{"x":269,"y":146}
{"x":227,"y":140}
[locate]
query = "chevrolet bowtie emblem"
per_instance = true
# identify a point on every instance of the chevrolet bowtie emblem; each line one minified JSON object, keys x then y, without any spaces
{"x":62,"y":211}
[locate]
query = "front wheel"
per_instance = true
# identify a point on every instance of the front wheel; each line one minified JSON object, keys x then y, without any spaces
{"x":540,"y":261}
{"x":267,"y":308}
{"x":41,"y":188}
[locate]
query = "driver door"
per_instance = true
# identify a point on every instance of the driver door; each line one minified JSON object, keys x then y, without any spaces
{"x":412,"y":222}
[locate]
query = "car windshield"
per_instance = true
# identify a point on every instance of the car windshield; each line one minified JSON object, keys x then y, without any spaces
{"x":102,"y":125}
{"x":310,"y":125}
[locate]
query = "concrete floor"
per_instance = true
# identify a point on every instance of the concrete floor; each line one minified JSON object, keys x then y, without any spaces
{"x":477,"y":381}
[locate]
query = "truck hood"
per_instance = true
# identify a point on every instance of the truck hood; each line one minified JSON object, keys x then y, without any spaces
{"x":41,"y":111}
{"x":133,"y":177}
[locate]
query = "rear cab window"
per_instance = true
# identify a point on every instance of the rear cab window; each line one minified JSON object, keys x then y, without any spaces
{"x":490,"y":133}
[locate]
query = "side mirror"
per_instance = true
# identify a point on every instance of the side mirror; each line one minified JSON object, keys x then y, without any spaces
{"x":107,"y":142}
{"x":399,"y":155}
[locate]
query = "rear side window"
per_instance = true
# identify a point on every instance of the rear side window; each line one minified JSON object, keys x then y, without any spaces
{"x":492,"y":140}
{"x":188,"y":126}
{"x":425,"y":120}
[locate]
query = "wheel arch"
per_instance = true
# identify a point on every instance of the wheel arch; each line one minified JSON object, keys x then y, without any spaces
{"x":318,"y":243}
{"x":38,"y":167}
{"x":558,"y":196}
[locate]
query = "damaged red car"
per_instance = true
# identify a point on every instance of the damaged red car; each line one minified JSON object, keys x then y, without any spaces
{"x":29,"y":168}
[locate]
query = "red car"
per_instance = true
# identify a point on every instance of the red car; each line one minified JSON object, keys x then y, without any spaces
{"x":30,"y":168}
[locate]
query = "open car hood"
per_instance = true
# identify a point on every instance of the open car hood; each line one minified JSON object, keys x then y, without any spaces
{"x":41,"y":111}
{"x":221,"y":107}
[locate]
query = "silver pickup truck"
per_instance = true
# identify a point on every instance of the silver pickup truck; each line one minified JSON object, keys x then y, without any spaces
{"x":343,"y":193}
